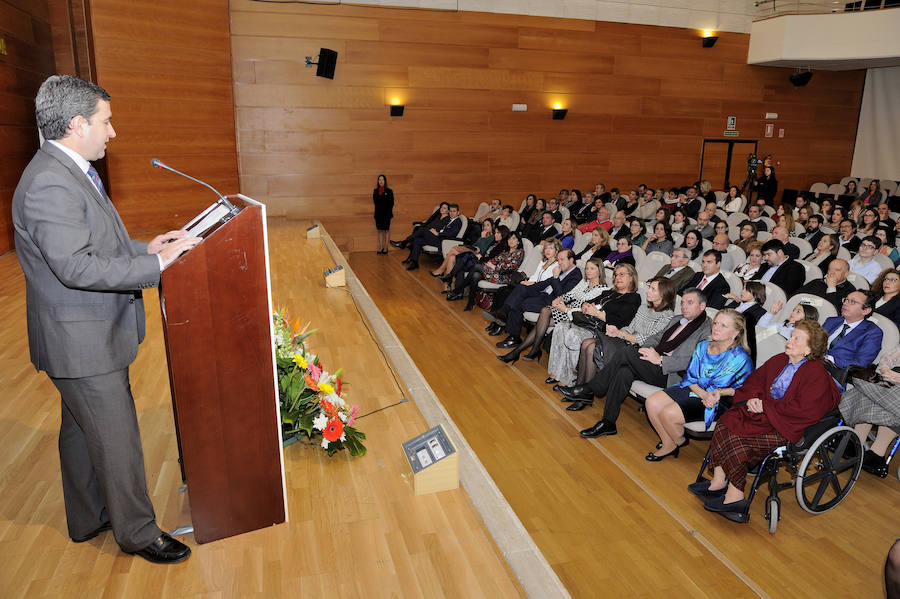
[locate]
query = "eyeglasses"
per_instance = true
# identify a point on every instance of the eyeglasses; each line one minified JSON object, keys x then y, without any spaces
{"x":870,"y":246}
{"x":847,"y":300}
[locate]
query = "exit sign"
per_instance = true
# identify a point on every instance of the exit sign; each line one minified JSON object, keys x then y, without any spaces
{"x":731,"y":133}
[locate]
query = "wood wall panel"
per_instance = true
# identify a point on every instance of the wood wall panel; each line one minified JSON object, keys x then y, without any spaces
{"x":168,"y":70}
{"x":641,"y":100}
{"x":29,"y":60}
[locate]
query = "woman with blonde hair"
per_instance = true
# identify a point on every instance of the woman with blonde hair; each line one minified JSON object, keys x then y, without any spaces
{"x":718,"y":366}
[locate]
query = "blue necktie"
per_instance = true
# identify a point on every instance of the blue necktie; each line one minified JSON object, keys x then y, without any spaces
{"x":95,"y":177}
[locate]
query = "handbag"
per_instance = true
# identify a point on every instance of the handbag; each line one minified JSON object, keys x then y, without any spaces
{"x":588,"y":322}
{"x":484,"y":300}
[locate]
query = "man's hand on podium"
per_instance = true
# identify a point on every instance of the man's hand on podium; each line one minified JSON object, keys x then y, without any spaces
{"x":171,"y":245}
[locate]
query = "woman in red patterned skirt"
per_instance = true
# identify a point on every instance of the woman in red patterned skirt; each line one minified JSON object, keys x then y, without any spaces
{"x":776,"y":404}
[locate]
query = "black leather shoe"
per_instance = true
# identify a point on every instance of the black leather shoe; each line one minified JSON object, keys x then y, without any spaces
{"x":490,"y":326}
{"x":701,"y":489}
{"x":550,"y":381}
{"x":874,"y":464}
{"x":601,"y":429}
{"x":454,"y":296}
{"x":102,"y":528}
{"x":509,"y":342}
{"x":413,"y":265}
{"x":496,"y":329}
{"x":398,"y":244}
{"x":652,"y":457}
{"x":407,"y":261}
{"x":165,"y":550}
{"x":578,"y":405}
{"x":577,"y":392}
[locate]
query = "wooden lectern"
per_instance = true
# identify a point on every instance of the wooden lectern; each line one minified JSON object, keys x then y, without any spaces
{"x":216,"y":303}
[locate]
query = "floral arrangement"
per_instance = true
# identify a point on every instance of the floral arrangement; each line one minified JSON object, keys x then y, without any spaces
{"x":309,"y":396}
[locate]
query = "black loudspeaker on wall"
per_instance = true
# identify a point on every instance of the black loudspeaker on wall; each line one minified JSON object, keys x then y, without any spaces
{"x":327,"y":61}
{"x":801,"y":79}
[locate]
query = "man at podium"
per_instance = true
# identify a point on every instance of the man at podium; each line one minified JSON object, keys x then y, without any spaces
{"x":84,"y":277}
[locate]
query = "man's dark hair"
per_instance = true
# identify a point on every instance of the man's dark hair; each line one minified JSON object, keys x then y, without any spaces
{"x":773,"y":244}
{"x":875,"y":240}
{"x":63,"y":97}
{"x":701,"y":297}
{"x":715,"y":254}
{"x":452,"y":206}
{"x":817,"y":217}
{"x":851,"y":221}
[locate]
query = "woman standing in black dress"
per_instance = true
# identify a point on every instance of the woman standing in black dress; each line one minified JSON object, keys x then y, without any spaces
{"x":383,"y":198}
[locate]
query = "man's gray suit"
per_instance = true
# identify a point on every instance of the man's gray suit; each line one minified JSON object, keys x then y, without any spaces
{"x":679,"y":278}
{"x":85,"y":320}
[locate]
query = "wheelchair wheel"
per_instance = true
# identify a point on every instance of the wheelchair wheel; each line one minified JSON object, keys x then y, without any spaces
{"x":829,"y":469}
{"x":773,"y":513}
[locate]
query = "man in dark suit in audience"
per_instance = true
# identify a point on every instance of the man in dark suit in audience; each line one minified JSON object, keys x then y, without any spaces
{"x":710,"y":280}
{"x":693,"y":203}
{"x":852,"y":339}
{"x":600,"y":192}
{"x":790,"y":250}
{"x":587,"y":210}
{"x":433,"y":236}
{"x":834,"y":286}
{"x":813,"y":230}
{"x":779,"y":269}
{"x":678,"y":270}
{"x":619,"y":227}
{"x":660,"y":361}
{"x":531,"y":297}
{"x":545,"y":230}
{"x":884,"y":217}
{"x":616,"y":199}
{"x":755,"y":216}
{"x":553,"y":209}
{"x":847,"y":237}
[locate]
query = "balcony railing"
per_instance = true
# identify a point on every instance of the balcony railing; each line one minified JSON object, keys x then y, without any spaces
{"x":771,"y":8}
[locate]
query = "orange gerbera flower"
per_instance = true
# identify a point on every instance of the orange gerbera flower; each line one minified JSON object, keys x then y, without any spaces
{"x":333,"y":430}
{"x":310,"y":382}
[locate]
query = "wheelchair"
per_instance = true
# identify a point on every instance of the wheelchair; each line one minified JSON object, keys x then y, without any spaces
{"x":824,"y":466}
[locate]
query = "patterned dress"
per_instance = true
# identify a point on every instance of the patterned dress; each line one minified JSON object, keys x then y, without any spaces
{"x":873,"y":404}
{"x":507,"y":263}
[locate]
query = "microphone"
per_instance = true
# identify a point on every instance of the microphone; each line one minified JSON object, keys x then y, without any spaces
{"x":156,"y":162}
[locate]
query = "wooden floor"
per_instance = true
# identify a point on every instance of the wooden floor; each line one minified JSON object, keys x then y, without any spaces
{"x":355,"y":528}
{"x":610,"y":523}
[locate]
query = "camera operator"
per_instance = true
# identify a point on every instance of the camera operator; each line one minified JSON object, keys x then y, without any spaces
{"x":766,"y":186}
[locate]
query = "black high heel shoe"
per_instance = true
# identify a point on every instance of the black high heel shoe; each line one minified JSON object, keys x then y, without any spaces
{"x":652,"y":457}
{"x":550,"y":380}
{"x":533,"y":355}
{"x":509,"y":358}
{"x":682,"y":444}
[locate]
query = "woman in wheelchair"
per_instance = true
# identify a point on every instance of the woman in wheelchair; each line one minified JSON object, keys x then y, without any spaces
{"x":776,"y":403}
{"x":876,"y":402}
{"x":718,"y":366}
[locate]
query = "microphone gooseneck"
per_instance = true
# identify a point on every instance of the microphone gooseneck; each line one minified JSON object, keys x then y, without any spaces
{"x":156,"y":162}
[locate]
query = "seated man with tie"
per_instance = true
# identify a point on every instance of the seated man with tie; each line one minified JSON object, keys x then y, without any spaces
{"x":710,"y":280}
{"x":779,"y":269}
{"x":659,"y":361}
{"x":678,"y":270}
{"x":852,"y":339}
{"x":422,"y":236}
{"x":531,"y":297}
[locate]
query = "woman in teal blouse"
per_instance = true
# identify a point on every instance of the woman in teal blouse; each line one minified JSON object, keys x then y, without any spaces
{"x":717,"y":367}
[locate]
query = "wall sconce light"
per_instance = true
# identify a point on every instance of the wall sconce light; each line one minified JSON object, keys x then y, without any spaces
{"x":396,"y":107}
{"x":709,"y":38}
{"x":559,"y":113}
